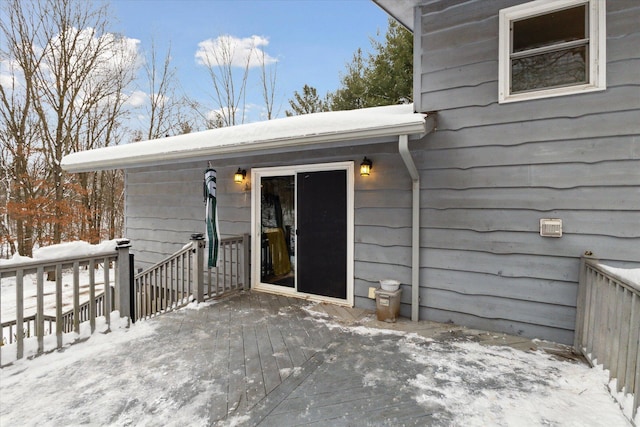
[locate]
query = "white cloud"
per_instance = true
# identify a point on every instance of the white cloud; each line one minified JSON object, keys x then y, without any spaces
{"x":137,"y":98}
{"x":10,"y":74}
{"x":227,"y":49}
{"x":115,"y":52}
{"x":7,"y":80}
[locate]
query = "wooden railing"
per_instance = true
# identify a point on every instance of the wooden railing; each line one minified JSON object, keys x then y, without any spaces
{"x":608,"y":325}
{"x":167,"y":285}
{"x":181,"y":278}
{"x":116,"y":268}
{"x":10,"y":328}
{"x":232,"y":272}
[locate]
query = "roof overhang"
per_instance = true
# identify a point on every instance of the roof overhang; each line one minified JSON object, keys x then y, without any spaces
{"x":401,"y":10}
{"x":309,"y":131}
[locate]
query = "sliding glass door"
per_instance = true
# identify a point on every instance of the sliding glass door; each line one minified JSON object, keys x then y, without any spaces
{"x":303,"y":230}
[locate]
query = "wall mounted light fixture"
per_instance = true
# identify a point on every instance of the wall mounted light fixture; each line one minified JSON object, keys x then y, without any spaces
{"x":239,"y":176}
{"x":365,"y":167}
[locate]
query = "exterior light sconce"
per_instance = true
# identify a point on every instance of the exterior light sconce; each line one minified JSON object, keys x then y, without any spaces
{"x":239,"y":176}
{"x":365,"y":167}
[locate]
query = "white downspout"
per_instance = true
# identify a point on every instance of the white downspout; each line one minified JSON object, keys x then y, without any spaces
{"x":403,"y":148}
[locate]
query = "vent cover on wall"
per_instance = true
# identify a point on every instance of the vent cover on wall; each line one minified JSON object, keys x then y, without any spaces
{"x":551,"y":227}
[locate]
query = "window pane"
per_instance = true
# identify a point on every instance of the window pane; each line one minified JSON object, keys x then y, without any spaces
{"x":277,"y":224}
{"x":562,"y":68}
{"x":545,"y":30}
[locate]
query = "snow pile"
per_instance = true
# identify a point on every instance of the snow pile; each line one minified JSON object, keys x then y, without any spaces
{"x":63,"y":250}
{"x":502,"y":386}
{"x":84,"y":375}
{"x":498,"y":385}
{"x":630,"y":274}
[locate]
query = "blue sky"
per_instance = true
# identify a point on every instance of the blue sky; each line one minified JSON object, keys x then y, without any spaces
{"x":312,"y":40}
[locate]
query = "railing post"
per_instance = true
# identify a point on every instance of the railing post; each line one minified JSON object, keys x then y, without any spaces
{"x":581,"y":303}
{"x":122,"y":290}
{"x":198,"y":244}
{"x":19,"y":314}
{"x":246,"y":262}
{"x":132,"y":290}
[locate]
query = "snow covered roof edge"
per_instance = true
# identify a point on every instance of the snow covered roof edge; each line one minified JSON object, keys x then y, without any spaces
{"x":285,"y":133}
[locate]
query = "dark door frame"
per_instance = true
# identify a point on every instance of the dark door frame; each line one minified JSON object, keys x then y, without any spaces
{"x":256,"y":175}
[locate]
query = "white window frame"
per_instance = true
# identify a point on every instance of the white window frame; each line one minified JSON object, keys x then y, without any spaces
{"x":597,"y":48}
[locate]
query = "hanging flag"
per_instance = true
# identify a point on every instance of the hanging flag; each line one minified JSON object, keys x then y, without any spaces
{"x":213,"y":231}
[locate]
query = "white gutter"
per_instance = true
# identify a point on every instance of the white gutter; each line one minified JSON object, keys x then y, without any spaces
{"x":403,"y":149}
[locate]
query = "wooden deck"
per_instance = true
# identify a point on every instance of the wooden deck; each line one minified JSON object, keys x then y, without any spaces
{"x":282,"y":361}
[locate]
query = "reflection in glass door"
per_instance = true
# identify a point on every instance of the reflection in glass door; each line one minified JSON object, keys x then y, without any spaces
{"x":277,"y":228}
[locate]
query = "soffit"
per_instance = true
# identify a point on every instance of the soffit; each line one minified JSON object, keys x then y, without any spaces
{"x":401,"y":10}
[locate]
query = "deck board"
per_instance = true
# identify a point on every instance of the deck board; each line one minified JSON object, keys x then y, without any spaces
{"x":268,"y":364}
{"x":254,"y":378}
{"x":281,"y":361}
{"x":236,"y":391}
{"x":280,"y":351}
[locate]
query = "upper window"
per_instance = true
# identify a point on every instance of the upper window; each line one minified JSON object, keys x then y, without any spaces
{"x":551,"y":48}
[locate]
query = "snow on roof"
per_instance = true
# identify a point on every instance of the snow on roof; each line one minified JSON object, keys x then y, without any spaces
{"x":287,"y":133}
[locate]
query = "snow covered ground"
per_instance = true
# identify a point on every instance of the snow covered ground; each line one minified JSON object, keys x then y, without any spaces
{"x":111,"y":380}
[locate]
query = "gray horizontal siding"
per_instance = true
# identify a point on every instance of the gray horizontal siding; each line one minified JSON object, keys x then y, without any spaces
{"x":621,"y":172}
{"x":489,"y":307}
{"x":505,"y":265}
{"x":487,"y":323}
{"x":585,"y":150}
{"x":163,"y":208}
{"x":491,"y":171}
{"x":597,"y":125}
{"x":528,"y":244}
{"x":615,"y":224}
{"x":596,"y":199}
{"x":165,"y":205}
{"x":382,"y":220}
{"x":472,"y":284}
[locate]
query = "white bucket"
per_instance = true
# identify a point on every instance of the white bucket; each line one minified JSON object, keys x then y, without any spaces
{"x":389,"y":285}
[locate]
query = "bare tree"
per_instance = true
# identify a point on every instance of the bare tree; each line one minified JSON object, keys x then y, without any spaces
{"x":221,"y":60}
{"x":228,"y":61}
{"x":70,"y":82}
{"x":168,"y":109}
{"x":64,"y":93}
{"x":268,"y":78}
{"x":101,"y":127}
{"x":20,"y":127}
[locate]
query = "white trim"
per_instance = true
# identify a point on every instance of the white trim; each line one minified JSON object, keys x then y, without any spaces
{"x":597,"y":48}
{"x":256,"y":174}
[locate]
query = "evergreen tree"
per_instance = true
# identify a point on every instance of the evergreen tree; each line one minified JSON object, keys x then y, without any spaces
{"x":383,"y":78}
{"x":390,"y":71}
{"x":308,"y":102}
{"x":353,"y":93}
